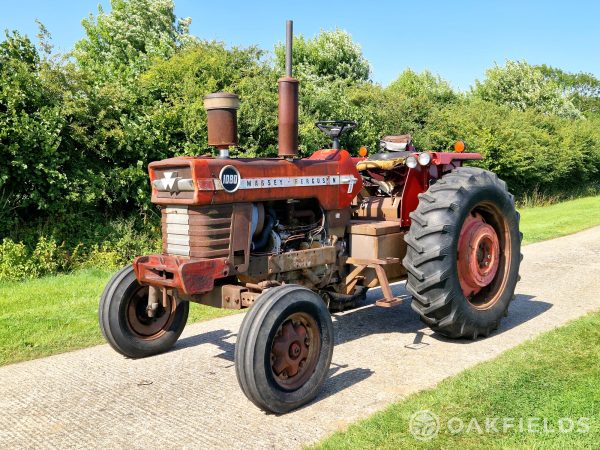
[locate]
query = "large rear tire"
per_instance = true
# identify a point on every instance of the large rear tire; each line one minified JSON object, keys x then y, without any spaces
{"x":125,"y":323}
{"x":284,"y":348}
{"x":463,"y":253}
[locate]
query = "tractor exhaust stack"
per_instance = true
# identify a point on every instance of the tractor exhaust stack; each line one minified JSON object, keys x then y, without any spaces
{"x":288,"y":102}
{"x":289,"y":43}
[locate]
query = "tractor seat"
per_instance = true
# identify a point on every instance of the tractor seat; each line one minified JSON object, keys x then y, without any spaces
{"x":382,"y":164}
{"x":396,"y":148}
{"x":397,"y":143}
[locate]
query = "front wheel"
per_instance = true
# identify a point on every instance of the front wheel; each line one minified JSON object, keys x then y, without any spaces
{"x":284,"y":348}
{"x":463,"y":253}
{"x":125,"y":322}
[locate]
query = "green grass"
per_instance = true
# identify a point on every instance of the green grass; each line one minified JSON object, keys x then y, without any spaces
{"x":554,"y":376}
{"x":59,"y":313}
{"x":547,"y":222}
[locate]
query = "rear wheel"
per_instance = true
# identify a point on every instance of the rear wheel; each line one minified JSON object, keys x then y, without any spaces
{"x":284,"y":348}
{"x":463,"y":253}
{"x":125,"y":322}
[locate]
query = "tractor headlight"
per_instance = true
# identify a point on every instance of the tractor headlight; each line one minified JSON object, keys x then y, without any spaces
{"x":424,"y":158}
{"x":411,"y":162}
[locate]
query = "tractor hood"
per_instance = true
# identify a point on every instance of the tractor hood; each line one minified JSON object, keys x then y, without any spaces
{"x":328,"y":175}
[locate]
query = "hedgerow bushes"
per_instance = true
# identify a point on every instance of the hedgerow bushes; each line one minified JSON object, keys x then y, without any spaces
{"x":44,"y":248}
{"x":77,"y":131}
{"x":532,"y":152}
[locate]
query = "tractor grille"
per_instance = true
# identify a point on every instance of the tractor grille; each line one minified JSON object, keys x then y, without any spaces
{"x":197,"y":231}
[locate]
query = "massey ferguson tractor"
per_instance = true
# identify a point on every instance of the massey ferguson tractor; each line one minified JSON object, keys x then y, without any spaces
{"x":294,"y":239}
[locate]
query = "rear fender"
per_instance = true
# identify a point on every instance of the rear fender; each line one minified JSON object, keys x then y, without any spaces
{"x":419,"y":179}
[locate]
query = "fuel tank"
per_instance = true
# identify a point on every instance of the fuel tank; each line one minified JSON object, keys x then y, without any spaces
{"x":327,"y":175}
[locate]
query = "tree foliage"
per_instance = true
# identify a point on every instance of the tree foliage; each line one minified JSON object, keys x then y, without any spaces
{"x":31,"y":130}
{"x":122,"y":43}
{"x":583,"y":89}
{"x":174,"y":91}
{"x":331,"y":54}
{"x":77,"y":131}
{"x":523,"y":86}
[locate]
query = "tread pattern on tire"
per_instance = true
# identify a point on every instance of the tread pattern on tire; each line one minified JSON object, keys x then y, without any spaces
{"x":246,"y":347}
{"x":126,"y":344}
{"x":107,"y":294}
{"x":242,"y":352}
{"x":431,"y":247}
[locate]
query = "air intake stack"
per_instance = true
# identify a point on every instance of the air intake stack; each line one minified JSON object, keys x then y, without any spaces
{"x":288,"y":102}
{"x":221,"y":114}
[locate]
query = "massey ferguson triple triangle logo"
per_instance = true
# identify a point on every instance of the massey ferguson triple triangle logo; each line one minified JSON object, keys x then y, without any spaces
{"x":230,"y":179}
{"x":169,"y":180}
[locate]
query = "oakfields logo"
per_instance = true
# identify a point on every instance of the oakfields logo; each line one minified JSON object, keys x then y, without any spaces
{"x":425,"y":425}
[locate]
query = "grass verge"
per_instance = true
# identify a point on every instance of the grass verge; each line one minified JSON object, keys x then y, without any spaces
{"x":58,"y":313}
{"x":55,"y":314}
{"x":546,"y":222}
{"x":554,"y":376}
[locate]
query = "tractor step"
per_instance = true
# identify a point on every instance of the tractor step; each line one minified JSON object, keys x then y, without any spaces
{"x":388,"y":303}
{"x":389,"y":299}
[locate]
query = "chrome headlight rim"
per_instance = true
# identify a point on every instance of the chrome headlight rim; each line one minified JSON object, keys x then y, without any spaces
{"x":424,"y":158}
{"x":411,"y":162}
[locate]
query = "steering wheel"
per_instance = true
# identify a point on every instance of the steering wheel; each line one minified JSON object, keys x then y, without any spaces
{"x":335,"y":128}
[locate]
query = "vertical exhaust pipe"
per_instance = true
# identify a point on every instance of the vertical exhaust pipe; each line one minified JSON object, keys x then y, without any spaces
{"x":289,"y":44}
{"x":288,"y":101}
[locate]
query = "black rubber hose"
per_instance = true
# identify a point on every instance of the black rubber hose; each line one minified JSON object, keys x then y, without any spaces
{"x":263,"y":237}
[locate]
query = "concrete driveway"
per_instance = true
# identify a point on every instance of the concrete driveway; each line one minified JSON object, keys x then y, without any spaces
{"x":189,"y":397}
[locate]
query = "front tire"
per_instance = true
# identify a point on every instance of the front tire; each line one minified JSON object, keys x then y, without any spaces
{"x":284,"y":348}
{"x":124,"y":321}
{"x":464,"y":253}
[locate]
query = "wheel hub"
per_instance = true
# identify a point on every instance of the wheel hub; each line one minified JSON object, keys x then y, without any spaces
{"x":295,"y":350}
{"x":293,"y":354}
{"x":478,"y":255}
{"x":141,"y":323}
{"x":289,"y":349}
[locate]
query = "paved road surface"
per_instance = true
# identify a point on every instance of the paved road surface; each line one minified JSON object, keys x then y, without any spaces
{"x":189,"y":398}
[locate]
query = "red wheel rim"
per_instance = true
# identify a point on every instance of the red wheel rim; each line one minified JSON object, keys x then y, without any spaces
{"x":295,"y":351}
{"x":483,"y":255}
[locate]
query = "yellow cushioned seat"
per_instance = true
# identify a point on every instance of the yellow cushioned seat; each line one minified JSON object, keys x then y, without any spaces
{"x":382,"y":164}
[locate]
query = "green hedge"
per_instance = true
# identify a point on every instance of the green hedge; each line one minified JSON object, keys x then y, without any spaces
{"x":77,"y":131}
{"x":75,"y":243}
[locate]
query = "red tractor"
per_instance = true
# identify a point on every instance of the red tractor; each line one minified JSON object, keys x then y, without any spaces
{"x":296,"y":238}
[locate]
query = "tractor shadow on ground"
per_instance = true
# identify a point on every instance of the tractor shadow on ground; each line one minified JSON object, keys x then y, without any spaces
{"x":220,"y":338}
{"x":339,"y":379}
{"x":370,"y":319}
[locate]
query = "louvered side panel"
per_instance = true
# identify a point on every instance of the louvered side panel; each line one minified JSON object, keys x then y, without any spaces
{"x":200,"y":232}
{"x":176,"y":230}
{"x":210,"y":234}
